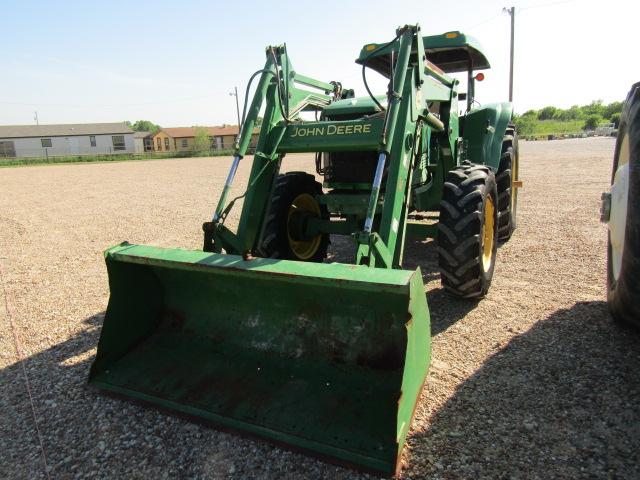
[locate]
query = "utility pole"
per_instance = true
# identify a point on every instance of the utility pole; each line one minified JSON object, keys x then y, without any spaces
{"x":36,"y":118}
{"x":512,"y":13}
{"x":235,"y":94}
{"x":237,"y":105}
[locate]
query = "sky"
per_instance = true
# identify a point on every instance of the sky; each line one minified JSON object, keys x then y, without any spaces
{"x":175,"y":63}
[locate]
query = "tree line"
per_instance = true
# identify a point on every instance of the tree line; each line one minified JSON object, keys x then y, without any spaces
{"x":143,"y":126}
{"x":588,"y":117}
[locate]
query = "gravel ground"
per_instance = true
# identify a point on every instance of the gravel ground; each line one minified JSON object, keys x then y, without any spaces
{"x":534,"y":381}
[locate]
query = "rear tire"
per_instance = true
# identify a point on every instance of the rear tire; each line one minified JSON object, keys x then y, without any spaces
{"x":468,"y":230}
{"x":294,"y":192}
{"x":623,"y":267}
{"x":507,"y":194}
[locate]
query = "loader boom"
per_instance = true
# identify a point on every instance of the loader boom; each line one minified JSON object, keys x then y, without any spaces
{"x":395,"y":135}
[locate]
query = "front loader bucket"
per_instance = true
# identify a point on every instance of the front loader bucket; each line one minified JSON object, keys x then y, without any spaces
{"x":328,"y":358}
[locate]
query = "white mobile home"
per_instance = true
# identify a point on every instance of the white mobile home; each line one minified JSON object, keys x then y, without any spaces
{"x":63,"y":140}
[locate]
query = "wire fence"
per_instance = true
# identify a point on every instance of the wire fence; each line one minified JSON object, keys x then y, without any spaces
{"x":562,"y":136}
{"x":49,"y":152}
{"x":114,"y":157}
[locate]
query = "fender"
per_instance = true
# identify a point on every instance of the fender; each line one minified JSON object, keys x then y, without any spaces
{"x":483,"y":131}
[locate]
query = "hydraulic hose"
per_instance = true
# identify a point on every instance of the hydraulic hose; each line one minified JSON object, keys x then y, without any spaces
{"x":364,"y":65}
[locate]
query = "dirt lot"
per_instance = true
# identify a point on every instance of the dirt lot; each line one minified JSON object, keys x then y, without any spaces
{"x":534,"y":381}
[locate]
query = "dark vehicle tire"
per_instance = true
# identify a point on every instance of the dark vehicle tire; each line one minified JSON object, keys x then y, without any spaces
{"x":623,"y":246}
{"x":507,"y":194}
{"x":468,"y":230}
{"x":294,"y":199}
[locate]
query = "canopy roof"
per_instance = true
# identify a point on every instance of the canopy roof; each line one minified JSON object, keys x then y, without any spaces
{"x":451,"y":51}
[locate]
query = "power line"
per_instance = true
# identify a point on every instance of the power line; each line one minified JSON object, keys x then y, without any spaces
{"x":27,"y":384}
{"x":541,"y":5}
{"x":175,"y":100}
{"x":483,"y":22}
{"x":520,"y":9}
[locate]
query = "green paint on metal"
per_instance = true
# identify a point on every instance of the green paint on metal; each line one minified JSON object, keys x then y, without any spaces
{"x":417,"y":230}
{"x":417,"y":359}
{"x":350,"y":135}
{"x":450,"y":51}
{"x":484,"y":130}
{"x":351,"y":106}
{"x":435,"y":91}
{"x":324,"y":357}
{"x":347,"y":204}
{"x":347,"y":186}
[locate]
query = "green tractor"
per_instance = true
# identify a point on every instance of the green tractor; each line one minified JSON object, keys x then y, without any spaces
{"x":258,"y":332}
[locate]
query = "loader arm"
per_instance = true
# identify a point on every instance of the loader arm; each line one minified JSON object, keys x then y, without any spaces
{"x":278,"y":89}
{"x":391,"y":135}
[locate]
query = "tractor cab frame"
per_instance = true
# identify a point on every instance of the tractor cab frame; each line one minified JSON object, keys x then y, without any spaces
{"x":452,"y":52}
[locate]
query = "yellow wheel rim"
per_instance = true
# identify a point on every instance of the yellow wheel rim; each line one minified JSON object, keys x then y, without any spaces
{"x":304,"y":249}
{"x":488,"y":228}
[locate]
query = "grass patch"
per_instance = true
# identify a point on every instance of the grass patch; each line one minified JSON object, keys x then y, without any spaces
{"x":550,"y":127}
{"x":125,"y":157}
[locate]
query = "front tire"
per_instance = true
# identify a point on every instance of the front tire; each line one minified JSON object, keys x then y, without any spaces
{"x":623,"y":246}
{"x":468,"y":230}
{"x":293,"y":201}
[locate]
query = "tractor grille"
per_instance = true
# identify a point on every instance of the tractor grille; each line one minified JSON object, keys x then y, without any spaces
{"x":349,"y":167}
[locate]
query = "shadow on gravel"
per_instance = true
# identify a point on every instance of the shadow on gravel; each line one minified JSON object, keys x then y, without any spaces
{"x":87,"y":434}
{"x":417,"y":253}
{"x":57,"y":377}
{"x":443,"y":310}
{"x":559,"y":401}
